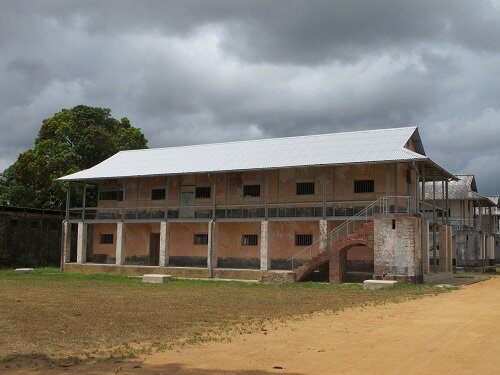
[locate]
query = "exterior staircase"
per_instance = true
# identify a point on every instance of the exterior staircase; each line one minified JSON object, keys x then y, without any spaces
{"x":356,"y":231}
{"x":336,"y":253}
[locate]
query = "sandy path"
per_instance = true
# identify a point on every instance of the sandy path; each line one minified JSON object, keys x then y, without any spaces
{"x":452,"y":333}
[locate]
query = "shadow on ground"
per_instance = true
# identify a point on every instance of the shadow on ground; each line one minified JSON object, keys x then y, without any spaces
{"x":38,"y":363}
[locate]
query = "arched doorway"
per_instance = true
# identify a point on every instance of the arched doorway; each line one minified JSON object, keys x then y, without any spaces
{"x":359,"y":264}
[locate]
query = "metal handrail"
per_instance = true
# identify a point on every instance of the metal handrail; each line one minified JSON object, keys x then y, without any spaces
{"x":361,"y":217}
{"x":345,"y":224}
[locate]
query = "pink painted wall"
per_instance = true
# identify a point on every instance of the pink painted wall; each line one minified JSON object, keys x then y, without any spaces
{"x":229,"y":238}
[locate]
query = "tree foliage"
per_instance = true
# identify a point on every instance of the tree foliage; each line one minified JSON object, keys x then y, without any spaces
{"x":71,"y":140}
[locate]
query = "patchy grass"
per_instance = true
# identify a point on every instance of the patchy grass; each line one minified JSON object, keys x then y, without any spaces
{"x":78,"y":316}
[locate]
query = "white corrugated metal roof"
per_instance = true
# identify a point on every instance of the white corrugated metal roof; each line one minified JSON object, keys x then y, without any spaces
{"x":325,"y":149}
{"x":463,"y":189}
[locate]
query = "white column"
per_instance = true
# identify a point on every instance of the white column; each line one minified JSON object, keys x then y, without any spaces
{"x":323,"y":235}
{"x":164,"y":232}
{"x":212,"y":248}
{"x":120,"y":241}
{"x":425,"y":246}
{"x":450,"y":248}
{"x":66,"y":241}
{"x":265,"y":258}
{"x":81,"y":245}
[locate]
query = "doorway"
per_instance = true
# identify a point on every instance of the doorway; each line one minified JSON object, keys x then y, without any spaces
{"x":187,"y":201}
{"x":154,"y":249}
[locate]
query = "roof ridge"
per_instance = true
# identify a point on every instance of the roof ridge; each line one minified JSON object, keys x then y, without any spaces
{"x":271,"y":139}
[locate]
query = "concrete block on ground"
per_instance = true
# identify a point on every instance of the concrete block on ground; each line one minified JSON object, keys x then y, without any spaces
{"x":155,"y":279}
{"x":21,"y":271}
{"x":379,"y":284}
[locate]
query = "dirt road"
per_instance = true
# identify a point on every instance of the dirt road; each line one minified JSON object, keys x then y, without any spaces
{"x":452,"y":333}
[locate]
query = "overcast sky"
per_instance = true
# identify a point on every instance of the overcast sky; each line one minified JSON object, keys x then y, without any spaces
{"x":204,"y":71}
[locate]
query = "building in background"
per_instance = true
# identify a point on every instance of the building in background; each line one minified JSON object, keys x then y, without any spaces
{"x":469,"y":213}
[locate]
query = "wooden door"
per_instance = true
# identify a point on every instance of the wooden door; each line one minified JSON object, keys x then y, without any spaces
{"x":187,"y":201}
{"x":154,"y":249}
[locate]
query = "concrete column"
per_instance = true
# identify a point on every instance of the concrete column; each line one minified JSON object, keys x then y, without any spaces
{"x":387,"y":186}
{"x":323,"y":235}
{"x":450,"y":248}
{"x":81,"y":245}
{"x":164,"y":240}
{"x":425,"y":246}
{"x":212,"y":248}
{"x":66,"y":242}
{"x":120,"y":242}
{"x":265,"y":254}
{"x":443,"y":249}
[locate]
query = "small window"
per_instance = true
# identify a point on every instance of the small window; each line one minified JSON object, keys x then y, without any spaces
{"x":251,"y":190}
{"x":303,"y":239}
{"x":305,"y":188}
{"x":249,"y":240}
{"x":114,"y":195}
{"x":157,"y":194}
{"x":107,"y":238}
{"x":13,"y":223}
{"x":393,"y":224}
{"x":200,"y":239}
{"x":364,"y":186}
{"x":202,"y":192}
{"x":34,"y":224}
{"x":408,"y":176}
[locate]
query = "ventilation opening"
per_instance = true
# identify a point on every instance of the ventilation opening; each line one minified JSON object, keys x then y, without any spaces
{"x":393,"y":224}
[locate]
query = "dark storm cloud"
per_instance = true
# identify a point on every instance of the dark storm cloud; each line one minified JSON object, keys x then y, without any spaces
{"x":202,"y":71}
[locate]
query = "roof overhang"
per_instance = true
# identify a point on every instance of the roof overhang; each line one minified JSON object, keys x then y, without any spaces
{"x":431,"y":171}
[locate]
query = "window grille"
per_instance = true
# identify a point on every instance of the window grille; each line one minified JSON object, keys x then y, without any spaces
{"x":107,"y":238}
{"x":303,"y":239}
{"x":364,"y":186}
{"x":305,"y":188}
{"x":249,"y":240}
{"x":202,"y":192}
{"x":113,"y":195}
{"x":251,"y":190}
{"x":157,"y":194}
{"x":200,"y":239}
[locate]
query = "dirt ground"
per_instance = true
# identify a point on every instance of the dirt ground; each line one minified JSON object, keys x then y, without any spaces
{"x":451,"y":333}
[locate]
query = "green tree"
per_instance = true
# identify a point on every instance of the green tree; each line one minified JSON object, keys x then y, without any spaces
{"x":71,"y":140}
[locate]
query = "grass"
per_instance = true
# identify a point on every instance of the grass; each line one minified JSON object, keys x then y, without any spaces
{"x":62,"y":315}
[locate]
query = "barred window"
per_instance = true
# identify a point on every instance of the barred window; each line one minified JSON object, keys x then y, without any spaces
{"x":112,"y":195}
{"x":202,"y":192}
{"x":106,"y":238}
{"x":303,"y":239}
{"x":364,"y":186}
{"x":200,"y":239}
{"x":249,"y":240}
{"x":157,"y":194}
{"x":251,"y":190}
{"x":305,"y":188}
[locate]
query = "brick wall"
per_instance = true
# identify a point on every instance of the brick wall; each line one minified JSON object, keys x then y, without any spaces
{"x":29,"y":237}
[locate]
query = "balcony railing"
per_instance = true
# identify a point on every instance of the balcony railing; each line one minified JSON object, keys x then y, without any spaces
{"x":343,"y":209}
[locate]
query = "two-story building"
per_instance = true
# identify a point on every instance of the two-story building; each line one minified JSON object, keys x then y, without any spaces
{"x":303,"y":207}
{"x":469,"y":213}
